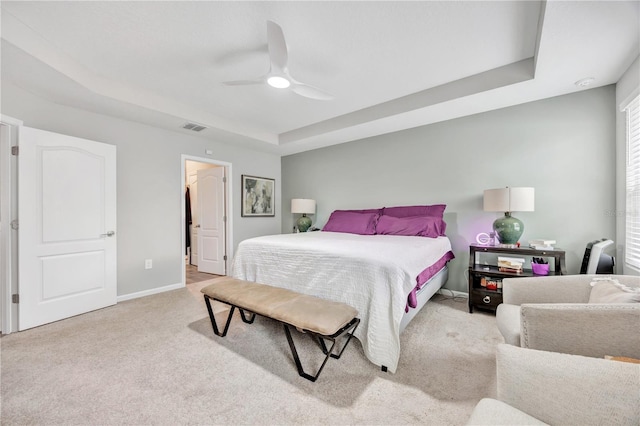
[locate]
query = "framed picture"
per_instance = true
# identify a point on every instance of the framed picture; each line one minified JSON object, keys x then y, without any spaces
{"x":258,"y":196}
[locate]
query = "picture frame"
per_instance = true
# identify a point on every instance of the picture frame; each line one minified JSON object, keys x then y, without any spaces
{"x":258,"y":196}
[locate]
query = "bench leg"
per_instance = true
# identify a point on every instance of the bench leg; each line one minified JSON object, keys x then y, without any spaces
{"x":348,"y":329}
{"x":301,"y":371}
{"x":323,"y":346}
{"x":245,"y":319}
{"x":328,"y":352}
{"x":213,"y":318}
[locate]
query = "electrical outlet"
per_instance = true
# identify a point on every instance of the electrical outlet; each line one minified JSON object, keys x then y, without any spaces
{"x":148,"y":263}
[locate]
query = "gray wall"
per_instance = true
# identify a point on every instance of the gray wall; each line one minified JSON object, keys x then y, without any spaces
{"x":149,"y":184}
{"x":563,"y":146}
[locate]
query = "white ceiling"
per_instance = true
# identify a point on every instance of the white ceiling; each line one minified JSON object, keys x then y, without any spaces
{"x":390,"y":65}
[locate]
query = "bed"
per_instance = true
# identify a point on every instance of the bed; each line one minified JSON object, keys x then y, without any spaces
{"x":387,"y":278}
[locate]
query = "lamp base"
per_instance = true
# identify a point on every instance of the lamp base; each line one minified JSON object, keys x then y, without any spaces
{"x":303,"y":223}
{"x":508,"y":228}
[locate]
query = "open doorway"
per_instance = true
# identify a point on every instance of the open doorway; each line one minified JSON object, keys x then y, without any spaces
{"x":206,"y":218}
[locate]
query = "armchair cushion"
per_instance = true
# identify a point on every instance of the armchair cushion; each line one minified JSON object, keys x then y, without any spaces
{"x":509,"y":323}
{"x":593,"y":330}
{"x":561,"y":389}
{"x":611,"y":291}
{"x":553,"y":314}
{"x":491,"y":412}
{"x":548,"y":289}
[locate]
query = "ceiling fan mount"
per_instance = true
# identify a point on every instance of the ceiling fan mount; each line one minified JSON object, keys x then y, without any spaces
{"x":278,"y":75}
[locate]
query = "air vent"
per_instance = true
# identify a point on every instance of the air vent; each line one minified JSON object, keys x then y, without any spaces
{"x":193,"y":126}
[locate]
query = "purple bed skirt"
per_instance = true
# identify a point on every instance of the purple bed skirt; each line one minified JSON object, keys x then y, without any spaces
{"x":424,"y":276}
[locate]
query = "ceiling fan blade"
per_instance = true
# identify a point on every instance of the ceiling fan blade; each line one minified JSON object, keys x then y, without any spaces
{"x":279,"y":56}
{"x":244,"y":82}
{"x":310,"y":91}
{"x":277,"y":47}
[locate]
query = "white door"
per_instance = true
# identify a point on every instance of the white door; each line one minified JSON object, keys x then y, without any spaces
{"x":211,"y":234}
{"x":193,"y":200}
{"x":67,"y":216}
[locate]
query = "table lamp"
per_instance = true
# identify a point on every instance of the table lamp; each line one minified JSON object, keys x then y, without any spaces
{"x":304,"y":206}
{"x":508,"y":228}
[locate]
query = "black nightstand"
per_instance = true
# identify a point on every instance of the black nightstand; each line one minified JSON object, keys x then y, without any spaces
{"x":483,"y":298}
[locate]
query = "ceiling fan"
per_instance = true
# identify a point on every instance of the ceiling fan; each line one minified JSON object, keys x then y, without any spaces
{"x":278,"y":75}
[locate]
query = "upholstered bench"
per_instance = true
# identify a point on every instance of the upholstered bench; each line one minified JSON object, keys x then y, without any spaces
{"x":320,"y":318}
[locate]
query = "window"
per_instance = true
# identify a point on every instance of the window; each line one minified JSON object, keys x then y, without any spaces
{"x":632,"y":222}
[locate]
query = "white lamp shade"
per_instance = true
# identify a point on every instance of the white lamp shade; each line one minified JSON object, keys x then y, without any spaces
{"x":303,"y":205}
{"x":520,"y":199}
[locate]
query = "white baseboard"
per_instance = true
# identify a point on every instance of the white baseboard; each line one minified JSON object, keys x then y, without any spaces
{"x":443,"y":291}
{"x":149,"y":292}
{"x":454,"y":293}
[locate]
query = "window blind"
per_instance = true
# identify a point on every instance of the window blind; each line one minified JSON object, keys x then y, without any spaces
{"x":632,"y":237}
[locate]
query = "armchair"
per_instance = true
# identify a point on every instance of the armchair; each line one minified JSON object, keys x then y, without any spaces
{"x":553,"y":314}
{"x":538,"y":387}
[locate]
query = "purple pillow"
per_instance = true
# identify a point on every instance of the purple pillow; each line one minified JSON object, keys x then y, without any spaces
{"x":436,"y":210}
{"x":351,"y":222}
{"x":377,"y":211}
{"x":421,"y":226}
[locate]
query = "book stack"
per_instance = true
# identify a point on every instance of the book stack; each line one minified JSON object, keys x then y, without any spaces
{"x":511,"y":265}
{"x":491,"y":283}
{"x":542,"y":244}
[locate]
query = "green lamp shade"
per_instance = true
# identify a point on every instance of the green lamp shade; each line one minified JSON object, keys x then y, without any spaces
{"x":303,"y":223}
{"x":508,"y":228}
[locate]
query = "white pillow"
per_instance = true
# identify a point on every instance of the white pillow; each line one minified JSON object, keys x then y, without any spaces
{"x":611,"y":291}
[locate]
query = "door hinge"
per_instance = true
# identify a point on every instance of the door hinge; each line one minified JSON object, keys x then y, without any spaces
{"x":15,"y":150}
{"x":224,"y":218}
{"x":15,"y":224}
{"x":15,"y":298}
{"x":224,"y":179}
{"x":224,"y":257}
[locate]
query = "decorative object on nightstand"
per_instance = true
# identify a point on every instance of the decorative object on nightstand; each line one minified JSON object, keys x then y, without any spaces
{"x":304,"y":206}
{"x":508,"y":228}
{"x":542,"y":244}
{"x":485,"y":239}
{"x":539,"y":266}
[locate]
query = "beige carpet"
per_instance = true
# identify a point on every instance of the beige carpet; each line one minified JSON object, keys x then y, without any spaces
{"x":155,"y":360}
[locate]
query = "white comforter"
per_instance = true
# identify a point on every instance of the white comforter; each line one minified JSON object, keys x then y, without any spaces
{"x":372,"y":273}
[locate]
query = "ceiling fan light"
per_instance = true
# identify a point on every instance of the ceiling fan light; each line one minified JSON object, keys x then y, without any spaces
{"x":278,"y":82}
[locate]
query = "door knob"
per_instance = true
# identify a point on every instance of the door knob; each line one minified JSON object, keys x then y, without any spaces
{"x":108,"y":234}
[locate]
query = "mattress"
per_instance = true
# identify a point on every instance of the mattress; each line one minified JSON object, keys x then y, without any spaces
{"x":373,"y":273}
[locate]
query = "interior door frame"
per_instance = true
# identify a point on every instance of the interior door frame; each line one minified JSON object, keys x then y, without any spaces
{"x":9,"y":241}
{"x":228,"y":199}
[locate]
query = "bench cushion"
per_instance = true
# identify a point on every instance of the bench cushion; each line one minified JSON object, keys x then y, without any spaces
{"x":306,"y":312}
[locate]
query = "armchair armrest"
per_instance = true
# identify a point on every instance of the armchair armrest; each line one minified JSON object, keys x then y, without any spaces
{"x":555,"y":288}
{"x":568,"y":389}
{"x":592,"y":330}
